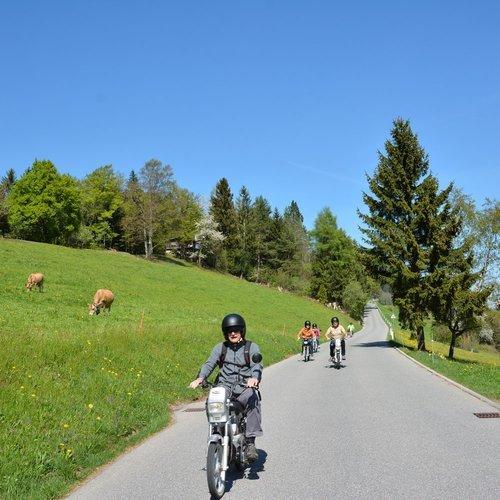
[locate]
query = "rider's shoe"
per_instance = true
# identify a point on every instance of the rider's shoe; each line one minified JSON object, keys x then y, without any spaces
{"x":343,"y":358}
{"x":251,"y":452}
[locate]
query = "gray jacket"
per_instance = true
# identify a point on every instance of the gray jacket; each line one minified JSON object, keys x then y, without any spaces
{"x":234,"y":372}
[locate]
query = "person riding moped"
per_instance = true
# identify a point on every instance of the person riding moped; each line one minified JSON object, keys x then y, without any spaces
{"x":306,"y":333}
{"x":240,"y":373}
{"x":317,"y":334}
{"x":334,"y":332}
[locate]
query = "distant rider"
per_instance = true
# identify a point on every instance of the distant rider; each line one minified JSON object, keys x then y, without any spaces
{"x":239,"y":373}
{"x":306,"y":333}
{"x":350,"y":329}
{"x":317,"y":334}
{"x":334,"y":332}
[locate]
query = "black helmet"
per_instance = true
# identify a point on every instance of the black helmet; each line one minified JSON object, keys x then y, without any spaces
{"x":307,"y":324}
{"x":335,"y":320}
{"x":315,"y":325}
{"x":231,"y":321}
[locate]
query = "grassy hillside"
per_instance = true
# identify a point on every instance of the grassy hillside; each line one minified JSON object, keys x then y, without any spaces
{"x":479,"y":371}
{"x":75,"y":389}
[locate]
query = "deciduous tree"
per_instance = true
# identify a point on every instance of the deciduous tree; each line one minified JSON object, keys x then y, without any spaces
{"x":44,"y":205}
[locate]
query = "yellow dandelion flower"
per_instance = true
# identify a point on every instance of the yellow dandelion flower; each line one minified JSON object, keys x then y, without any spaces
{"x":90,"y":406}
{"x":22,"y":387}
{"x":33,"y":395}
{"x":98,"y":418}
{"x":129,"y":393}
{"x":65,"y":426}
{"x":29,"y":376}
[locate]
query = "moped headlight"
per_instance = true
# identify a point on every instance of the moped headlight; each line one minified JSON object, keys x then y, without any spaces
{"x":215,"y":408}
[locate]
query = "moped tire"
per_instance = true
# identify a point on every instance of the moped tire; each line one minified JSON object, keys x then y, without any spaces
{"x":216,"y":485}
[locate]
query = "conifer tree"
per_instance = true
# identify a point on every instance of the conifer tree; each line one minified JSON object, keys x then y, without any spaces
{"x":261,"y":230}
{"x":403,"y":197}
{"x":224,"y":214}
{"x":276,"y":241}
{"x":131,"y":222}
{"x":296,"y":242}
{"x":245,"y":237}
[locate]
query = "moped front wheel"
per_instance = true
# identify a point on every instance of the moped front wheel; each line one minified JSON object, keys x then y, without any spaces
{"x":216,"y":484}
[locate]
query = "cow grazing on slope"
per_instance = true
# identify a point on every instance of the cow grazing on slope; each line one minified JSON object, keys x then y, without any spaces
{"x":102,"y":300}
{"x":35,"y":280}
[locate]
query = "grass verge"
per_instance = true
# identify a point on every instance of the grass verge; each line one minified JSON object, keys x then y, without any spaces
{"x":77,"y":390}
{"x":479,"y":371}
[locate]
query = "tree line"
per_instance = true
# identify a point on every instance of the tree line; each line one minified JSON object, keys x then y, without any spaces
{"x":430,"y":249}
{"x":149,"y":213}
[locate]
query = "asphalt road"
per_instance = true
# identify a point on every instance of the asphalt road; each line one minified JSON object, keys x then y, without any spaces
{"x":381,"y":427}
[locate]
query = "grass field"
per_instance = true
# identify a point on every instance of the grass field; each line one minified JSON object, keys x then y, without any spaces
{"x":77,"y":390}
{"x":480,"y":371}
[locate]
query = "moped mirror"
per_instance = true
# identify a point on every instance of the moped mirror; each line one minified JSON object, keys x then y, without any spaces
{"x":257,"y":357}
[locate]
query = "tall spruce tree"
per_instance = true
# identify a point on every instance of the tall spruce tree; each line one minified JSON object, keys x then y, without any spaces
{"x":402,"y":202}
{"x":261,"y":230}
{"x":131,"y":225}
{"x":224,"y":215}
{"x":296,"y":247}
{"x":245,"y":237}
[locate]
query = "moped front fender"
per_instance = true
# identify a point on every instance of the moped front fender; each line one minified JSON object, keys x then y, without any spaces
{"x":214,"y":438}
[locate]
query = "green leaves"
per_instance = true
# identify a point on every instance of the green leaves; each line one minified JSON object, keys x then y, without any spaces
{"x":44,"y":205}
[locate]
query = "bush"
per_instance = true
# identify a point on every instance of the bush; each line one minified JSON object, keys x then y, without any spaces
{"x":441,"y":333}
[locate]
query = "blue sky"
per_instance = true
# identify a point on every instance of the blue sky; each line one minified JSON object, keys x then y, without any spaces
{"x":290,"y":98}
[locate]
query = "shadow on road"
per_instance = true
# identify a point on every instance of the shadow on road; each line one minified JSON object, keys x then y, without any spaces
{"x":377,"y":343}
{"x":251,"y":472}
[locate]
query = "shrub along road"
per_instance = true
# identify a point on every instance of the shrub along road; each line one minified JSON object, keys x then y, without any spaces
{"x":379,"y":427}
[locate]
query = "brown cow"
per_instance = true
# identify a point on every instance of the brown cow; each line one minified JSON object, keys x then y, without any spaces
{"x":35,"y":280}
{"x":102,"y":300}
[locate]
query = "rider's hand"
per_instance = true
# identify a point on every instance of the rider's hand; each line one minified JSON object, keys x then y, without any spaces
{"x":252,"y":382}
{"x":195,"y":383}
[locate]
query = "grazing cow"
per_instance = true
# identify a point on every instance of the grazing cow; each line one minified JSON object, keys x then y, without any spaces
{"x":102,"y":300}
{"x":35,"y":280}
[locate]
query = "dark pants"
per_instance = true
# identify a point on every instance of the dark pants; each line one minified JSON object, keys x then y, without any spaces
{"x":250,"y":400}
{"x":332,"y":348}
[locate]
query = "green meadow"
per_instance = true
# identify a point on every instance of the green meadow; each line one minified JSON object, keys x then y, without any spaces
{"x":76,"y":390}
{"x":480,"y":371}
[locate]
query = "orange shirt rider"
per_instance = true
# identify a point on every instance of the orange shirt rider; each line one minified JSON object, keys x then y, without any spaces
{"x":306,"y":333}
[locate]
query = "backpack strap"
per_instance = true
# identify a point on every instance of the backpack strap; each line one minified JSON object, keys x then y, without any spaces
{"x":222,"y":356}
{"x":246,"y":352}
